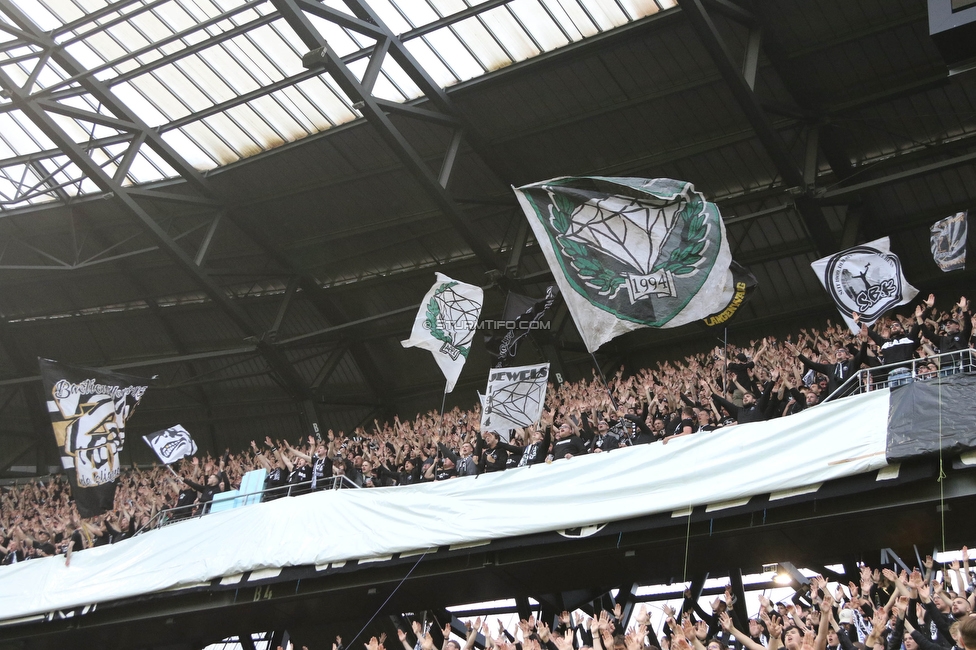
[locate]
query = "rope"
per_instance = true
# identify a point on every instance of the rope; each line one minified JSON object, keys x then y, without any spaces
{"x":376,"y":613}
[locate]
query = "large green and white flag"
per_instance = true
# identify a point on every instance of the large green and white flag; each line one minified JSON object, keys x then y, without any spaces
{"x":629,"y":253}
{"x":446,"y":324}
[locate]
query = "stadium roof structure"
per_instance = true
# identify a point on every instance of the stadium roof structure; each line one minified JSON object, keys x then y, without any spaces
{"x":248,"y":198}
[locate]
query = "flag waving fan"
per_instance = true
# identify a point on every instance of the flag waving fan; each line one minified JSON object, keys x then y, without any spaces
{"x":629,"y":253}
{"x":171,"y":444}
{"x":446,"y":323}
{"x":89,"y":409}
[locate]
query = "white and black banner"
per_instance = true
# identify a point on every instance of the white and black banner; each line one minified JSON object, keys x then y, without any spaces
{"x":866,"y":280}
{"x":514,"y":397}
{"x":847,"y":437}
{"x":949,"y":242}
{"x":89,"y":409}
{"x":446,"y":323}
{"x":629,"y":253}
{"x":171,"y":444}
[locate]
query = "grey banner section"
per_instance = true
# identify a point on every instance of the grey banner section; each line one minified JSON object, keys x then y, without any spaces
{"x":922,"y":413}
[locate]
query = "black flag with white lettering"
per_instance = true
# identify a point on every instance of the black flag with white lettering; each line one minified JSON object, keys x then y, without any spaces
{"x":89,"y":409}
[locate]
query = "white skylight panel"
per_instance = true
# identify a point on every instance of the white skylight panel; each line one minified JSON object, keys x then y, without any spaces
{"x":106,"y":47}
{"x":194,"y":82}
{"x":257,"y":128}
{"x":231,"y":70}
{"x":209,"y":80}
{"x":639,"y":8}
{"x":12,"y":128}
{"x":51,"y":14}
{"x":285,"y":126}
{"x":307,"y":115}
{"x":277,"y":50}
{"x":416,"y":12}
{"x":84,"y":53}
{"x":581,"y":21}
{"x":152,"y":158}
{"x":445,"y":42}
{"x":201,"y":10}
{"x":128,"y":37}
{"x":340,"y":41}
{"x":182,"y":87}
{"x":534,"y":18}
{"x":72,"y":128}
{"x":430,"y":62}
{"x":5,"y":150}
{"x":175,"y":16}
{"x":400,"y":79}
{"x":234,"y":136}
{"x":218,"y":152}
{"x":389,"y":15}
{"x":490,"y":54}
{"x":512,"y":37}
{"x":606,"y":13}
{"x":152,"y":26}
{"x":254,"y":60}
{"x":557,"y":10}
{"x":333,"y":104}
{"x":138,"y":104}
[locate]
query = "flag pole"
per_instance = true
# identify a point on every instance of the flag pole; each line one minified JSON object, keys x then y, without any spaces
{"x":605,"y":383}
{"x":725,"y":355}
{"x":443,"y":402}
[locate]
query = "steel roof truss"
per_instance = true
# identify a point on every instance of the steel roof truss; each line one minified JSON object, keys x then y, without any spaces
{"x":771,"y":139}
{"x":322,"y":56}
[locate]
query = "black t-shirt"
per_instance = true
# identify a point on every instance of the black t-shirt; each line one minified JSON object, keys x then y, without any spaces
{"x":298,"y":475}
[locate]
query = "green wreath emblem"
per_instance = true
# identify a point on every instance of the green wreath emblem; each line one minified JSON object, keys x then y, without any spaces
{"x":607,"y":281}
{"x":433,"y":317}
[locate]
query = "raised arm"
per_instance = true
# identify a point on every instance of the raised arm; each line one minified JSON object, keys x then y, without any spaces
{"x":747,"y":642}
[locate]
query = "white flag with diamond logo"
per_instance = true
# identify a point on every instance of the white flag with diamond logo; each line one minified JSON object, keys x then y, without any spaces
{"x":514,"y":398}
{"x":629,"y":253}
{"x":446,"y":324}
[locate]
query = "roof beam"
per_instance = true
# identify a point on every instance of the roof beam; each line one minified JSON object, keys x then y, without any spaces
{"x":771,"y":140}
{"x":321,"y":55}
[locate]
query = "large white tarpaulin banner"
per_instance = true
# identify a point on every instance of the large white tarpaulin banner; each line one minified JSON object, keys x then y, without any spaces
{"x":827,"y":442}
{"x":866,"y":280}
{"x":446,"y":324}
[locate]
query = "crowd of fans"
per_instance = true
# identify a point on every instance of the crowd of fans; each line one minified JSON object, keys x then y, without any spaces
{"x":883,"y":610}
{"x":764,"y":380}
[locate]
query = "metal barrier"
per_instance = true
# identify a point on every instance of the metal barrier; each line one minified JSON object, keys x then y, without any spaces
{"x":194,"y":510}
{"x":897,"y":374}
